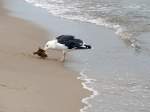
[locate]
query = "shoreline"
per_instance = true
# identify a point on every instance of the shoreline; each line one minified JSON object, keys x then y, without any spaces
{"x":34,"y":84}
{"x":111,"y":59}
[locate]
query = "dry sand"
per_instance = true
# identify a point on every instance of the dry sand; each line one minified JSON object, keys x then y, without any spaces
{"x":30,"y":84}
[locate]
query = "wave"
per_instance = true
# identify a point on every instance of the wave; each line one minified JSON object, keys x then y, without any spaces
{"x":57,"y":9}
{"x":86,"y":81}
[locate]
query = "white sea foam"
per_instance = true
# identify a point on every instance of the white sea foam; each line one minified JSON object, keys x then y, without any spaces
{"x":86,"y":81}
{"x":92,"y":13}
{"x":60,"y":10}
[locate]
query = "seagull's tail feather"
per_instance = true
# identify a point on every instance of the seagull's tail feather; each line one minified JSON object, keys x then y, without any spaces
{"x":85,"y":46}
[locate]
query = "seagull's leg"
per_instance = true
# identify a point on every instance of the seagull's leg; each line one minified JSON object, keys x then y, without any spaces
{"x":63,"y":57}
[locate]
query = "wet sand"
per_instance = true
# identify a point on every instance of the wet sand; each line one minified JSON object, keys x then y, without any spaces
{"x":28,"y":83}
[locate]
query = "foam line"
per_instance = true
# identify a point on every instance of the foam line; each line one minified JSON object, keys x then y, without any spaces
{"x":85,"y":82}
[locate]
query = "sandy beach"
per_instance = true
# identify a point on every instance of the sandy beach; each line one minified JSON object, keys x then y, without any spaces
{"x":28,"y":83}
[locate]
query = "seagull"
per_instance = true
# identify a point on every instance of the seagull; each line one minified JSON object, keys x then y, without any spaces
{"x":66,"y":43}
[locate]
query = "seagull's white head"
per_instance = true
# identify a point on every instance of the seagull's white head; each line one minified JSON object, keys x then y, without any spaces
{"x":46,"y":47}
{"x":49,"y":45}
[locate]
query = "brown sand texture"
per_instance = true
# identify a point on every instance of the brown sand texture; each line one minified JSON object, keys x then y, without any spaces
{"x":28,"y":83}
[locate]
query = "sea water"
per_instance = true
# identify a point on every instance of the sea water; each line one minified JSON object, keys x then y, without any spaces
{"x":117,"y":69}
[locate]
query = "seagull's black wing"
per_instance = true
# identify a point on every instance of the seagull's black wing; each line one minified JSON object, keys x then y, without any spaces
{"x":74,"y":44}
{"x":63,"y":38}
{"x":70,"y":41}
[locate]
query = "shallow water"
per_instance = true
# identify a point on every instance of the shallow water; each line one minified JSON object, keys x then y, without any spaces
{"x":118,"y":65}
{"x":128,"y":18}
